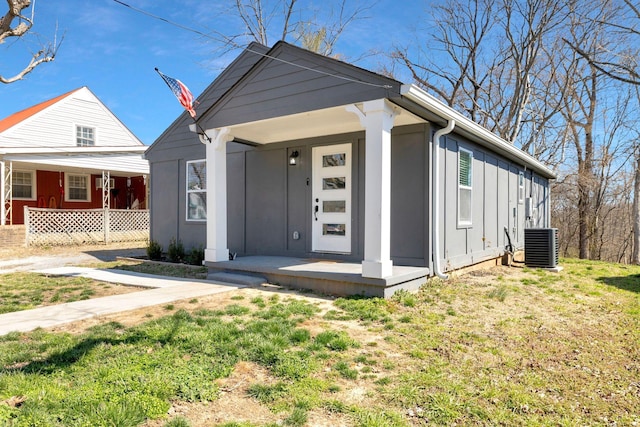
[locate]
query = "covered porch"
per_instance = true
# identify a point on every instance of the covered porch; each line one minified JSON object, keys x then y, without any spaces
{"x":320,"y":271}
{"x":78,"y":178}
{"x":319,"y":275}
{"x":375,"y":274}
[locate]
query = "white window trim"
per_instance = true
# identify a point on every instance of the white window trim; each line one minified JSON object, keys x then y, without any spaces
{"x":34,"y":185}
{"x":95,"y":135}
{"x":187,"y":191}
{"x":465,"y":223}
{"x":66,"y":187}
{"x":521,"y":187}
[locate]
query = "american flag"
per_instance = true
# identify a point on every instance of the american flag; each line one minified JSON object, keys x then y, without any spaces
{"x":181,"y":92}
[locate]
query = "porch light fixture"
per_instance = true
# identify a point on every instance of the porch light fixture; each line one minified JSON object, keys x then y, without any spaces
{"x":293,"y":158}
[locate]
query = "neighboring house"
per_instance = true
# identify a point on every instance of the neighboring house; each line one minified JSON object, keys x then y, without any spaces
{"x":307,"y":157}
{"x":55,"y":154}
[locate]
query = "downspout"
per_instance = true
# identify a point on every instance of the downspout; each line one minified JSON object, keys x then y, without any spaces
{"x":435,"y":197}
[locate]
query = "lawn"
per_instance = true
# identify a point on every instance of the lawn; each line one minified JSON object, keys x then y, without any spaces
{"x":24,"y":291}
{"x":505,"y":346}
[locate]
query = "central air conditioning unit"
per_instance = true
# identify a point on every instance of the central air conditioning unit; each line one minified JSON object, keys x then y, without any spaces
{"x":541,"y":247}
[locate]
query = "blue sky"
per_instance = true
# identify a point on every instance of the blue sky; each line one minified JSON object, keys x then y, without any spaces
{"x":113,"y":50}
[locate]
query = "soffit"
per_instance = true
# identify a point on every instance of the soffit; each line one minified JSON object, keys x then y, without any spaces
{"x":311,"y":124}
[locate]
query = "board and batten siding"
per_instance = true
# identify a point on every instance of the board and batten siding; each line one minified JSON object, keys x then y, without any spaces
{"x":495,"y":205}
{"x":55,"y":126}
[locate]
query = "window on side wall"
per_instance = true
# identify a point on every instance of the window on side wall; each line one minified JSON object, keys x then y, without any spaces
{"x":85,"y":136}
{"x":465,"y":187}
{"x":197,"y":190}
{"x":23,"y":185}
{"x":77,"y":188}
{"x":521,"y":187}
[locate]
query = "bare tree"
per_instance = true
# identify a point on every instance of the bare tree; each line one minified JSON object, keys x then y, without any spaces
{"x":460,"y":73}
{"x":321,"y":36}
{"x":579,"y":112}
{"x":499,"y":65}
{"x":266,"y":21}
{"x":618,"y":60}
{"x":15,"y":24}
{"x":635,"y":257}
{"x":529,"y":68}
{"x":257,"y":17}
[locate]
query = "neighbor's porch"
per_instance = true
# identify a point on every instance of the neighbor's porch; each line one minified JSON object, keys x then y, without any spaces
{"x":319,"y":275}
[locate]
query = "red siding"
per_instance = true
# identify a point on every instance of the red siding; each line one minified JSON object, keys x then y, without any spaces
{"x":50,"y":191}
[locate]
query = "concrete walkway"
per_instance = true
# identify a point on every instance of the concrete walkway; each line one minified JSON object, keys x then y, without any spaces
{"x":163,"y":290}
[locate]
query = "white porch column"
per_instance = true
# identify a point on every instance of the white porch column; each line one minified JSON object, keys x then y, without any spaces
{"x":3,"y":220}
{"x":217,"y":249}
{"x":378,"y":122}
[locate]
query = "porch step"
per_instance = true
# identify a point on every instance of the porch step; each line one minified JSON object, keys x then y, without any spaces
{"x":237,"y":279}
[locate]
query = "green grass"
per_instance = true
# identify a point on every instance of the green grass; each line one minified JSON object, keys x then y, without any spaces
{"x":161,"y":269}
{"x":24,"y":291}
{"x":516,"y":347}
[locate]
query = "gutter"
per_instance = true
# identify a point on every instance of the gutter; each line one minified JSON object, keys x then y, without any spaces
{"x":429,"y":102}
{"x":435,"y":197}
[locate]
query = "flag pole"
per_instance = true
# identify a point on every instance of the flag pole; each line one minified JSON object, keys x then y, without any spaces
{"x":203,"y":132}
{"x":184,"y":97}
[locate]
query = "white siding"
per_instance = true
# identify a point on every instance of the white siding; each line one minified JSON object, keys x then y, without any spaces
{"x":55,"y":126}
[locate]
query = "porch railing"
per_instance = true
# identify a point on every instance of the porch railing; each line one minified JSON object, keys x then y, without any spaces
{"x":84,"y":226}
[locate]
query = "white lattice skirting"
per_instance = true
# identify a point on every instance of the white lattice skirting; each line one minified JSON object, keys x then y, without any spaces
{"x":72,"y":227}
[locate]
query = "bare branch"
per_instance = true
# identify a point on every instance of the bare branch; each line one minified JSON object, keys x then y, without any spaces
{"x":289,"y":8}
{"x":15,"y":8}
{"x":45,"y":54}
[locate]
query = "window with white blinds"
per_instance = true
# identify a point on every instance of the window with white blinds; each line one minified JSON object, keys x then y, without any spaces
{"x":465,"y":186}
{"x":197,"y":190}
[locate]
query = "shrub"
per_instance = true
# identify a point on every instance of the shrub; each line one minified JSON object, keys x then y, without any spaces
{"x":175,"y":252}
{"x":154,"y":250}
{"x":195,"y":256}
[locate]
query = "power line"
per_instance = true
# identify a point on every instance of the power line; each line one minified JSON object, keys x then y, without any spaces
{"x":200,"y":33}
{"x":151,"y":15}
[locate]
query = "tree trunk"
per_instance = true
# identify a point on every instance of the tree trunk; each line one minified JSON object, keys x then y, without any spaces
{"x":635,"y":258}
{"x":583,"y":216}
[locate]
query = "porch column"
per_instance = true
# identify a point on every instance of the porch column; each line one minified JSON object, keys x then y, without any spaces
{"x":378,"y":121}
{"x":3,"y":212}
{"x":217,"y":249}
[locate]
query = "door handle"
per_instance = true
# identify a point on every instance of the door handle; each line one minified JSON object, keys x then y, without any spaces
{"x":315,"y":212}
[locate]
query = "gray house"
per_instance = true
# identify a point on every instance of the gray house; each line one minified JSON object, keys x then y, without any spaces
{"x":315,"y":173}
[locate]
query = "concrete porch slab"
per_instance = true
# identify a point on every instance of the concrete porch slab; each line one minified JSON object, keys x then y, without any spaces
{"x":324,"y":276}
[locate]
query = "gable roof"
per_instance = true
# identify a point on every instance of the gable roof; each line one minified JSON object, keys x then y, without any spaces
{"x":20,"y":116}
{"x":178,"y":131}
{"x":24,"y":128}
{"x":288,"y":79}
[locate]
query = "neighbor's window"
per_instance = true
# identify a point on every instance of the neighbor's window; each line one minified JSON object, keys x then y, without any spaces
{"x":521,"y":187}
{"x":465,"y":186}
{"x":85,"y":136}
{"x":197,"y":190}
{"x":23,"y":185}
{"x":77,"y":188}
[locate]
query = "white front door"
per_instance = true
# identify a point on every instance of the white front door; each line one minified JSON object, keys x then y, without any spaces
{"x":331,"y":207}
